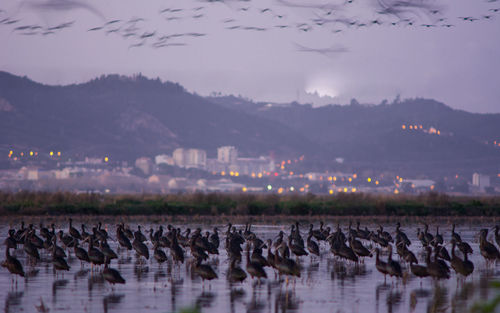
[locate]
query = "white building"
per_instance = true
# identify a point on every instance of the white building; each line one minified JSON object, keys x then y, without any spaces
{"x":145,"y":165}
{"x":247,"y":166}
{"x":164,"y":159}
{"x":227,"y":154}
{"x":190,"y":158}
{"x":480,"y":181}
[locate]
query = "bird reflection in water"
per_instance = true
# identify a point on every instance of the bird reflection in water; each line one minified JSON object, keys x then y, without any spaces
{"x":175,"y":290}
{"x":95,"y":280}
{"x":141,"y":272}
{"x":111,"y":301}
{"x":286,"y":302}
{"x":13,"y":301}
{"x":462,"y":296}
{"x":381,"y":288}
{"x":205,"y":299}
{"x":235,"y":295}
{"x":57,"y":286}
{"x":81,"y":274}
{"x":255,"y":304}
{"x":439,"y":301}
{"x":393,"y":299}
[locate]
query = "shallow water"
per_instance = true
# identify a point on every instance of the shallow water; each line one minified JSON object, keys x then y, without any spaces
{"x":326,"y":284}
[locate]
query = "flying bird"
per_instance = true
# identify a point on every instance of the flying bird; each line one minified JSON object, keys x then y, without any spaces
{"x":328,"y":52}
{"x":62,"y":5}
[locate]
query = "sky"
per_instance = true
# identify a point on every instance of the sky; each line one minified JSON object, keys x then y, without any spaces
{"x":267,"y":50}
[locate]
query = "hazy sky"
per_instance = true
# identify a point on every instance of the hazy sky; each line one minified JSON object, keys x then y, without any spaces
{"x":273,"y":55}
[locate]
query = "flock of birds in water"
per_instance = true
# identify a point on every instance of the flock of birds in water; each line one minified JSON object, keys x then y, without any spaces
{"x":282,"y":254}
{"x":334,"y":16}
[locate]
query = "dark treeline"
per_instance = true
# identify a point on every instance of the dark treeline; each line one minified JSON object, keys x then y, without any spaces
{"x":429,"y":204}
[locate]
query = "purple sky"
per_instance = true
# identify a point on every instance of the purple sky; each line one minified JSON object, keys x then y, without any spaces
{"x":458,"y":65}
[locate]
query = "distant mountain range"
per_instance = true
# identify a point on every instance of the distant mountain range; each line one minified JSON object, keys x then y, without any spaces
{"x":128,"y":117}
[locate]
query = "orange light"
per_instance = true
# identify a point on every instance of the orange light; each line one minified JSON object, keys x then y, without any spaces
{"x":291,"y":173}
{"x":244,"y":189}
{"x":376,"y":182}
{"x":369,"y":179}
{"x":403,"y":126}
{"x":330,"y":191}
{"x":345,"y":189}
{"x":51,"y":153}
{"x":396,"y":191}
{"x":58,"y":153}
{"x":223,"y":173}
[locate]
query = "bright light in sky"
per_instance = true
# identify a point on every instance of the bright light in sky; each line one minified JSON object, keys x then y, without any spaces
{"x":322,"y":86}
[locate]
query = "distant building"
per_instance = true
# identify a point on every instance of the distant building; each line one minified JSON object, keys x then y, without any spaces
{"x":62,"y":174}
{"x":164,"y":159}
{"x":247,"y":166}
{"x":416,"y":185}
{"x":214,"y":165}
{"x":93,"y":160}
{"x":196,"y":158}
{"x":32,"y":174}
{"x":480,"y":181}
{"x":145,"y":165}
{"x":227,"y":154}
{"x":190,"y":158}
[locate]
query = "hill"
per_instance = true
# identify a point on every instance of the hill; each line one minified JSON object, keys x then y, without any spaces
{"x":380,"y":135}
{"x":128,"y":117}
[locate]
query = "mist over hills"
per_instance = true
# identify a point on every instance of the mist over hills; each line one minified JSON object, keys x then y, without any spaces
{"x":128,"y":117}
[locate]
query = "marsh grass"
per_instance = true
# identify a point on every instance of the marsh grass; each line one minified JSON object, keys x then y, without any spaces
{"x":188,"y":204}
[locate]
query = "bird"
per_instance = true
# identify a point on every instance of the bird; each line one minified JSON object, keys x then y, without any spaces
{"x":236,"y":273}
{"x":112,"y":275}
{"x":463,"y":267}
{"x":12,"y":264}
{"x":159,"y":254}
{"x":312,"y":246}
{"x":81,"y":254}
{"x":380,"y":265}
{"x":95,"y":255}
{"x":58,"y":261}
{"x":437,"y":270}
{"x":488,"y":250}
{"x":253,"y":268}
{"x":73,"y":231}
{"x":205,"y":271}
{"x":393,"y":267}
